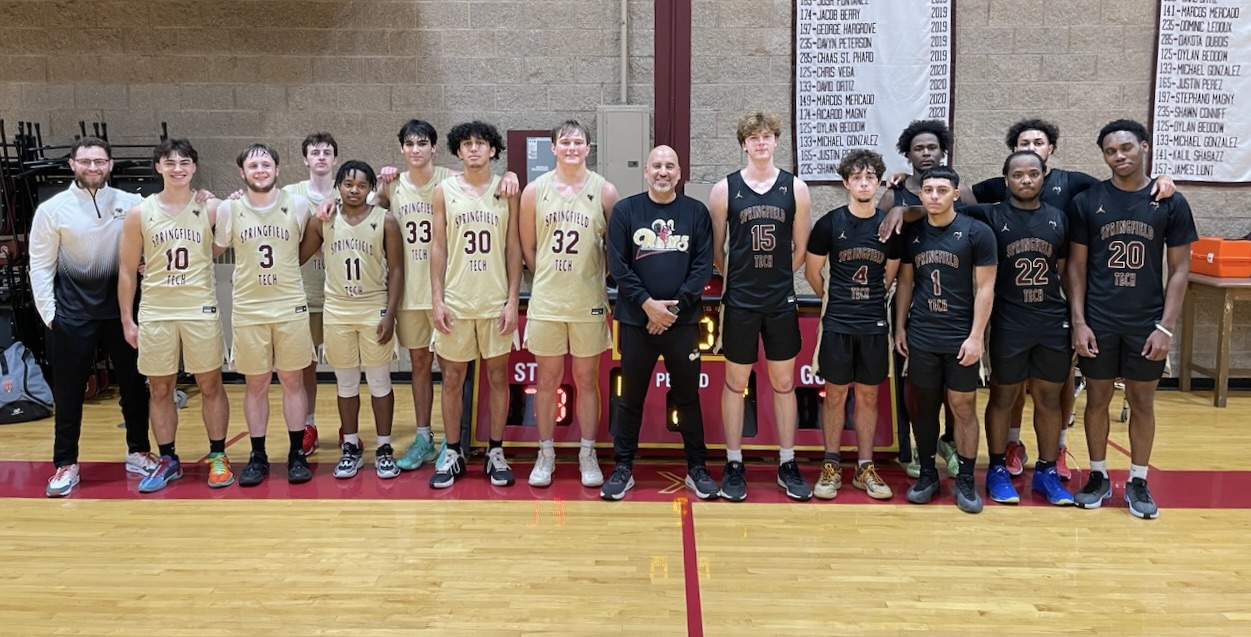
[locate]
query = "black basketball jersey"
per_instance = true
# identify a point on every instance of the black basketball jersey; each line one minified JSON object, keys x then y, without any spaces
{"x":857,"y":279}
{"x":1059,"y":188}
{"x":905,"y":197}
{"x":944,"y":260}
{"x":1027,"y":284}
{"x":1126,"y":234}
{"x":759,"y":274}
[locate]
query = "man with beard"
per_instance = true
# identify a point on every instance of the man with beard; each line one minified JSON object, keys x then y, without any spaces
{"x":269,"y":321}
{"x":73,"y":277}
{"x":172,"y":233}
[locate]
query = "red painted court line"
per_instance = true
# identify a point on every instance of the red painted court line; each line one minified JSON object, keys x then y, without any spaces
{"x":690,"y":570}
{"x":1125,"y":451}
{"x":230,"y":442}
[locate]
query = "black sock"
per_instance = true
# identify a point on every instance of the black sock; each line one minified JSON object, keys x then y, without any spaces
{"x":297,"y":441}
{"x":1043,"y":465}
{"x":495,"y":444}
{"x":998,"y":459}
{"x":217,"y":446}
{"x":258,"y":445}
{"x":167,"y":450}
{"x":966,"y":465}
{"x":833,"y":457}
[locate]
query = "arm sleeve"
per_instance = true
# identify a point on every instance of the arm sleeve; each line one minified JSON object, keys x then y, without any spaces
{"x":985,"y":250}
{"x":44,"y":245}
{"x":819,"y":238}
{"x":895,"y":248}
{"x":1181,"y":223}
{"x":989,"y":190}
{"x":697,"y":276}
{"x":221,"y":229}
{"x":629,"y":286}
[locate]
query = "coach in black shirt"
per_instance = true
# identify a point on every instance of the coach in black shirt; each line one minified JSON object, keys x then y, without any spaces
{"x":945,"y":291}
{"x":1123,"y":316}
{"x":660,"y":253}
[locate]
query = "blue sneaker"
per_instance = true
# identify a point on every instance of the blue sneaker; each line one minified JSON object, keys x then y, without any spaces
{"x":167,"y":470}
{"x":999,"y":485}
{"x":1048,"y":483}
{"x":417,"y":454}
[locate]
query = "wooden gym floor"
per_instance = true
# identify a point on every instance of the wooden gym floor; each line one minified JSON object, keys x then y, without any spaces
{"x":368,"y":557}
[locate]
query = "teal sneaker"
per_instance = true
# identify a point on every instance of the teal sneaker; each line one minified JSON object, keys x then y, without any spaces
{"x":417,"y":454}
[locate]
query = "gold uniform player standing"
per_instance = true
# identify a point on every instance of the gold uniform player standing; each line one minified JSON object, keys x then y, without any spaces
{"x":269,"y":319}
{"x":173,"y":234}
{"x":564,"y":218}
{"x":364,"y":276}
{"x":475,"y":280}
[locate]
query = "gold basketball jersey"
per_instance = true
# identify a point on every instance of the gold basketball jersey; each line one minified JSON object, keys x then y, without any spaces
{"x":569,"y":282}
{"x":314,"y":270}
{"x":412,"y":208}
{"x":178,"y":281}
{"x":268,"y":287}
{"x":476,"y":284}
{"x":356,"y":272}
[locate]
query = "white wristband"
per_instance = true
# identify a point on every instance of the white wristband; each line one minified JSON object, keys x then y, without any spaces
{"x":1164,"y":331}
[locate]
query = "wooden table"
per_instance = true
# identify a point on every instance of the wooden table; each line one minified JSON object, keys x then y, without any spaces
{"x":1231,"y":291}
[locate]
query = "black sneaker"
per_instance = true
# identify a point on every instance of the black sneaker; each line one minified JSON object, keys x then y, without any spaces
{"x":451,"y":465}
{"x":618,"y":482}
{"x":255,"y":471}
{"x":1097,"y":489}
{"x":497,"y":469}
{"x":966,"y":495}
{"x":1138,"y":497}
{"x":700,"y":483}
{"x":734,"y":482}
{"x":298,"y":471}
{"x":792,"y":482}
{"x":925,"y":488}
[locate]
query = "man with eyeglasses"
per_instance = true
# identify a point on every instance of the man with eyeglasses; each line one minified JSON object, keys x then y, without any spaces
{"x":73,"y":275}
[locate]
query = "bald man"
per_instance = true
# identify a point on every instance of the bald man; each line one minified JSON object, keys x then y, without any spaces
{"x":660,"y":253}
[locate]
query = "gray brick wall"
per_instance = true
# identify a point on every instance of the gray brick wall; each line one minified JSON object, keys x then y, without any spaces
{"x":227,"y":72}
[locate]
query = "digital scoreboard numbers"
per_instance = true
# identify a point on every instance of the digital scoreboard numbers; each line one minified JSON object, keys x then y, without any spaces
{"x":865,"y":69}
{"x":1200,"y":128}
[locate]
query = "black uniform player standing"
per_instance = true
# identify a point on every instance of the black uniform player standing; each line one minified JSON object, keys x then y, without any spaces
{"x":855,"y":336}
{"x":1119,"y":240}
{"x":946,"y":287}
{"x":767,"y":214}
{"x":660,"y":253}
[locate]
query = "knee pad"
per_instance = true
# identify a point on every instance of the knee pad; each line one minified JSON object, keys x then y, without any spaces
{"x":348,"y":381}
{"x":379,"y":379}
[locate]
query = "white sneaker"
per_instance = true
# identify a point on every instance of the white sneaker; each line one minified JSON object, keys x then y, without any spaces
{"x":141,"y":463}
{"x":63,"y":481}
{"x":588,"y":464}
{"x":544,"y":467}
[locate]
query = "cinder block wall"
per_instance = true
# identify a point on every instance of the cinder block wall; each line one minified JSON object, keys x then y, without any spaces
{"x":228,"y":72}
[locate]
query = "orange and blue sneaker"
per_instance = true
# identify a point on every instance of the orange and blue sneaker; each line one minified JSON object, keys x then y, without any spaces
{"x":220,"y":474}
{"x":167,"y":470}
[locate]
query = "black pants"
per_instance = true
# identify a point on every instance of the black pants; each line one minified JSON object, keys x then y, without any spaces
{"x":72,"y":345}
{"x":639,"y":351}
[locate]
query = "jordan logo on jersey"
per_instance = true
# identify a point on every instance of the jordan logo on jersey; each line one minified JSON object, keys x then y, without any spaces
{"x":842,"y":235}
{"x":660,"y":237}
{"x":1005,"y":228}
{"x":738,"y":195}
{"x":1100,"y":210}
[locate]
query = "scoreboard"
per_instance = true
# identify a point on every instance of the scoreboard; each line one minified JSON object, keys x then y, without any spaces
{"x":660,"y":428}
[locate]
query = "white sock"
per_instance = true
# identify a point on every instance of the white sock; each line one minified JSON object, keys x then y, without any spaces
{"x":1064,"y":437}
{"x":1014,"y":434}
{"x":354,"y":439}
{"x":384,"y":440}
{"x":1137,"y":471}
{"x":547,"y":445}
{"x":733,"y":455}
{"x":785,"y":454}
{"x":424,"y":432}
{"x":1100,"y":466}
{"x":588,"y":444}
{"x":310,"y":420}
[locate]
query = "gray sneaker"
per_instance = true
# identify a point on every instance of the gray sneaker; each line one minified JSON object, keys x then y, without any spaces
{"x":925,"y":488}
{"x":619,"y":482}
{"x":1098,"y":488}
{"x":966,"y":495}
{"x":1138,"y":497}
{"x":700,"y":483}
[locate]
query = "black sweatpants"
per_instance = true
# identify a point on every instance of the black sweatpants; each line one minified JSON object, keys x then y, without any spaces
{"x":639,"y":351}
{"x":72,"y":345}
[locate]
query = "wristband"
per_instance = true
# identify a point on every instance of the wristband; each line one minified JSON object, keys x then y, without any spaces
{"x":1164,"y":331}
